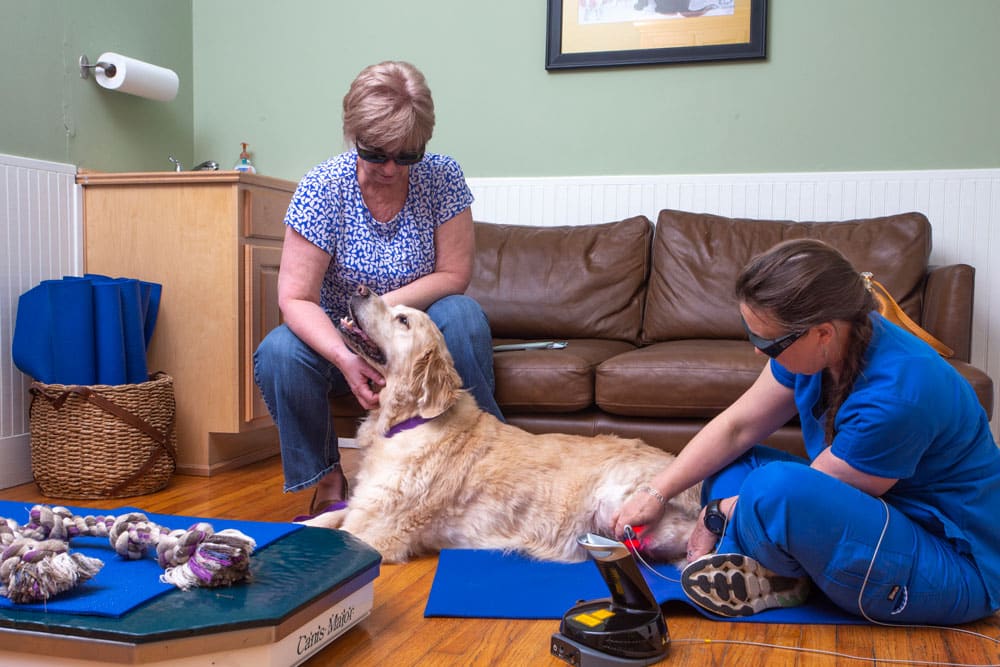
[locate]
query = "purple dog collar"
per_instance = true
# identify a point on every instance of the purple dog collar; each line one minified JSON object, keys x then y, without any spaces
{"x":406,"y":425}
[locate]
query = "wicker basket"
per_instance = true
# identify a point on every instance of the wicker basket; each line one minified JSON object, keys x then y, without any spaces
{"x":103,"y":441}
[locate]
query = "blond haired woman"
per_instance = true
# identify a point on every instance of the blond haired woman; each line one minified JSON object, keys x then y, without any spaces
{"x":388,"y":215}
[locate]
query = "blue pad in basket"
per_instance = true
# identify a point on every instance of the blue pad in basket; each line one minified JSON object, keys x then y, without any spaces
{"x":123,"y":585}
{"x":490,"y":584}
{"x":86,"y":330}
{"x":54,"y":333}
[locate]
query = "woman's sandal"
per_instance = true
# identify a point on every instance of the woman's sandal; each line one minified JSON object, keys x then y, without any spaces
{"x":319,"y":506}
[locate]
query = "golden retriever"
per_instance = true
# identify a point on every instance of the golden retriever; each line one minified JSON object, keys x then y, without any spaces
{"x":437,"y":472}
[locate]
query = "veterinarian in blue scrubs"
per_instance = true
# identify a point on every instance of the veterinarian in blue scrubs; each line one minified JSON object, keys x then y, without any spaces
{"x":388,"y":215}
{"x":893,"y":515}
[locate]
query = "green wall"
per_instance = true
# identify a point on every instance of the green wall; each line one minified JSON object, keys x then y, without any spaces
{"x":848,"y":85}
{"x":50,"y":113}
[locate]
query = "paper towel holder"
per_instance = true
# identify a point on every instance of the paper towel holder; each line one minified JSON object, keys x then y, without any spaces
{"x":85,"y":67}
{"x":122,"y":74}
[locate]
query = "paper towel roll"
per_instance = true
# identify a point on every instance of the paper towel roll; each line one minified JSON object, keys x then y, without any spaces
{"x":137,"y":77}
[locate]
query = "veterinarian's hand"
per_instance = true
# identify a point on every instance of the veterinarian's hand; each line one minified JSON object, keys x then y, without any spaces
{"x":640,"y":509}
{"x":364,"y":381}
{"x":702,"y":540}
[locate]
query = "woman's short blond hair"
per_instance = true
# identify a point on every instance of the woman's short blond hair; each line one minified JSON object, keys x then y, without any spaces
{"x":389,"y":105}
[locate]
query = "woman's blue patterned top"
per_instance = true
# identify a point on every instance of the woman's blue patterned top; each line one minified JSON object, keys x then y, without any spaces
{"x":329,"y":211}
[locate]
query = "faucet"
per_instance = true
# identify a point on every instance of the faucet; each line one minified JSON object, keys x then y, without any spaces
{"x":177,"y":163}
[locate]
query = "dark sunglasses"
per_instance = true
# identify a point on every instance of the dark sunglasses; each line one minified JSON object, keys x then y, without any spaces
{"x":403,"y":158}
{"x":772,"y":347}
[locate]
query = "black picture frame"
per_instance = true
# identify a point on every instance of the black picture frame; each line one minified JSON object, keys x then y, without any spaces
{"x":749,"y":17}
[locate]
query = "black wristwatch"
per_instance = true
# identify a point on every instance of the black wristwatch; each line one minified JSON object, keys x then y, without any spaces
{"x":715,"y":520}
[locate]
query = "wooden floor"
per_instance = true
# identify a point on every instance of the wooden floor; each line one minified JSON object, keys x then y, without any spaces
{"x":397,"y":634}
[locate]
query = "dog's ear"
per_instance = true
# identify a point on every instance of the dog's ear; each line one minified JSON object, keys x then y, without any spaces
{"x":436,"y":383}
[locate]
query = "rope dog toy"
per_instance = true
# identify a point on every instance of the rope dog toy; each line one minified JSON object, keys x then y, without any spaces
{"x":36,"y":565}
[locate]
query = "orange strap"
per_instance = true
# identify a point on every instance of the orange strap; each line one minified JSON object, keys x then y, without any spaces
{"x":891,"y":311}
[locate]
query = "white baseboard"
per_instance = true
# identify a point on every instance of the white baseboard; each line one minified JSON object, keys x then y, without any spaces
{"x":15,"y":453}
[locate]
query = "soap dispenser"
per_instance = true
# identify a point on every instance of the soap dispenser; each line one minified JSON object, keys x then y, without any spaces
{"x":244,"y":163}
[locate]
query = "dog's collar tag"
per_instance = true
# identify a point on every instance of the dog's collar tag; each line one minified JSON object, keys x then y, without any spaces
{"x":406,"y":425}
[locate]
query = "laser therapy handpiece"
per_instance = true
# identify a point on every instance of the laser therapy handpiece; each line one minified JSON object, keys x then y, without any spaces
{"x":626,"y":629}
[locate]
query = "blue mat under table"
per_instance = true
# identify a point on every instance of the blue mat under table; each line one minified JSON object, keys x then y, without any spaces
{"x":490,"y":584}
{"x":123,"y":585}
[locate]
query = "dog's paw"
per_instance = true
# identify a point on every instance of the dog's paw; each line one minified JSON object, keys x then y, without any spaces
{"x":326,"y":520}
{"x":392,"y":549}
{"x":392,"y":556}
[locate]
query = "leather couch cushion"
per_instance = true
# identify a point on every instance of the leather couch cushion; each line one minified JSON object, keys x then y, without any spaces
{"x":697,"y":257}
{"x":551,"y":380}
{"x":699,"y":378}
{"x":584,"y":281}
{"x":681,"y":378}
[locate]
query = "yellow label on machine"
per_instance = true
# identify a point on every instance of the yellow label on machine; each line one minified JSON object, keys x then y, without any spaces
{"x":594,"y":618}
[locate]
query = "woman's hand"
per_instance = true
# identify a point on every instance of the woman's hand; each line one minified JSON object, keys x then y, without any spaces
{"x":702,"y":540}
{"x":640,"y":509}
{"x":364,"y":381}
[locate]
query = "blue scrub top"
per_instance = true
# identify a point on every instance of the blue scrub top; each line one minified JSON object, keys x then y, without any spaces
{"x":911,"y":416}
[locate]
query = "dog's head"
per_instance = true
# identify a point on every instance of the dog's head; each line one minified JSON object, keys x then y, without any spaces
{"x":408,"y":349}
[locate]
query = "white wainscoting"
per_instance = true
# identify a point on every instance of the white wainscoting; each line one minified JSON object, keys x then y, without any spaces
{"x":962,"y":205}
{"x":40,"y":238}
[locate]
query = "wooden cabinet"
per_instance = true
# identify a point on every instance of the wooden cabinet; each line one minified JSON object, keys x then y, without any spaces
{"x":213,"y":240}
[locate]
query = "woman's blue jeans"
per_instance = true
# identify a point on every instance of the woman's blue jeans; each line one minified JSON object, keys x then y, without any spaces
{"x":798,"y":521}
{"x":296,"y":384}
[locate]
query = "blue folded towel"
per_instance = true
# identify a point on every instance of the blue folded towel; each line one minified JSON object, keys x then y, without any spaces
{"x":86,"y":330}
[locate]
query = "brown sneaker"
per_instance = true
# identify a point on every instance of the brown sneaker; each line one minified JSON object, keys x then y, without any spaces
{"x":737,"y":585}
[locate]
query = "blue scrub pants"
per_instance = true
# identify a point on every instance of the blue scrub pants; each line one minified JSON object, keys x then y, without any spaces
{"x":798,"y":521}
{"x":296,"y":384}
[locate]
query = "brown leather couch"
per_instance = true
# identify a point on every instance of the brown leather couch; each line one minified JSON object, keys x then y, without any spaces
{"x":655,"y":347}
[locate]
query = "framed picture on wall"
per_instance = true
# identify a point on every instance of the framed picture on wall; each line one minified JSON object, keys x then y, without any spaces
{"x":602,"y":33}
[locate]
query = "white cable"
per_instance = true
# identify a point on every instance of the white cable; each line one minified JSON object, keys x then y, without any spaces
{"x":871,"y":566}
{"x":848,"y":656}
{"x":635,"y":552}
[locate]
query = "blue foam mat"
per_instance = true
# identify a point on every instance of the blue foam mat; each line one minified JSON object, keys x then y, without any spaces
{"x":490,"y":584}
{"x":123,"y":585}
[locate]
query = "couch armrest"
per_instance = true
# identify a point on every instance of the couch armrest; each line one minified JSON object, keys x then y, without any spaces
{"x":947,"y":306}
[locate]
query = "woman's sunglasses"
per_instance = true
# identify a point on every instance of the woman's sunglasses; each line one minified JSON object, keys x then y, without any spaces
{"x":403,"y":158}
{"x":772,"y":347}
